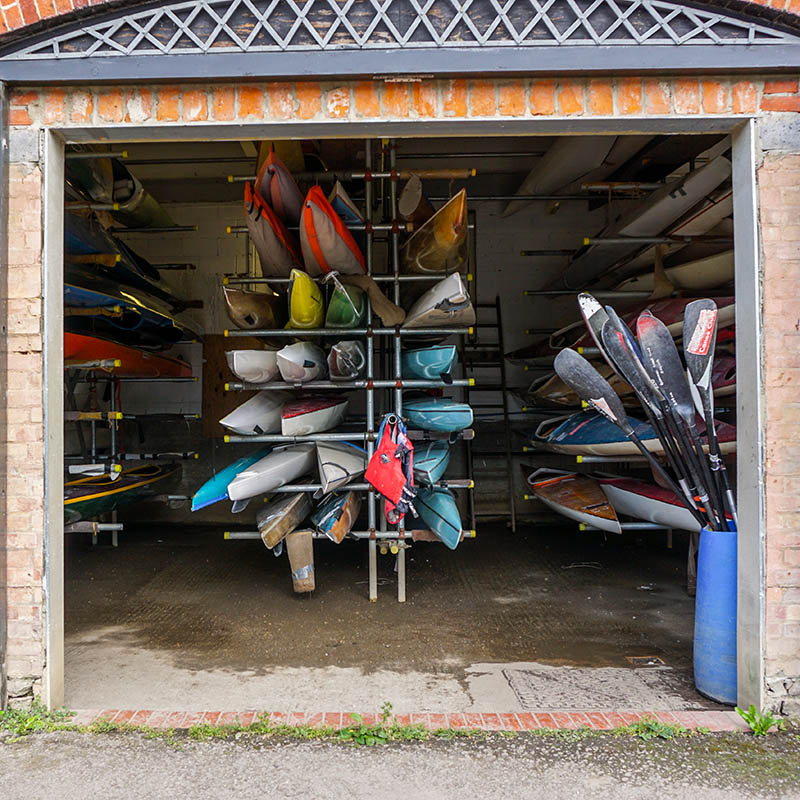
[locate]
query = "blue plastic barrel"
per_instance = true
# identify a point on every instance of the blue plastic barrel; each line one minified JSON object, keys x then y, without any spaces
{"x":715,"y":616}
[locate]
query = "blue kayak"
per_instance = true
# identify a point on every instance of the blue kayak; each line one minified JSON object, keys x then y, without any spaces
{"x":438,"y":510}
{"x":429,"y":363}
{"x":590,"y":433}
{"x":430,"y":461}
{"x":216,"y":488}
{"x":438,"y":414}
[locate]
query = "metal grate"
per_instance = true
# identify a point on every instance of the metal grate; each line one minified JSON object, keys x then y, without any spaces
{"x":214,"y":26}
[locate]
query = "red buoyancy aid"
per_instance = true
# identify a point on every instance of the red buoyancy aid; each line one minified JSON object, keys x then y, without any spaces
{"x":391,"y":469}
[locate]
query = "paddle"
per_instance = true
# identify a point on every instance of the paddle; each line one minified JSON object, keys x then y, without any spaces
{"x":590,"y":386}
{"x":661,"y":360}
{"x":699,"y":341}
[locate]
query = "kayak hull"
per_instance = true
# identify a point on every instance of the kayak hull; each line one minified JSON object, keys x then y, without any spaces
{"x":431,"y":460}
{"x":579,"y":498}
{"x":258,"y":415}
{"x":313,"y":415}
{"x":306,"y":307}
{"x":446,"y":303}
{"x":216,"y":488}
{"x":80,"y":349}
{"x":438,"y":510}
{"x":440,"y":245}
{"x":438,"y":414}
{"x":283,"y":515}
{"x":346,"y":361}
{"x":277,"y":469}
{"x":253,"y":366}
{"x":301,"y":362}
{"x":336,"y":516}
{"x":647,"y":502}
{"x":428,"y":363}
{"x":339,"y":463}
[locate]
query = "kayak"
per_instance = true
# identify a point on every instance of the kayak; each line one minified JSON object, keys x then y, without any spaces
{"x":347,"y":308}
{"x":280,"y":467}
{"x":339,"y":463}
{"x":278,"y":519}
{"x":278,"y":251}
{"x":412,"y":205}
{"x":655,"y":214}
{"x":551,"y":389}
{"x":440,"y":245}
{"x":705,"y":273}
{"x":91,"y":178}
{"x":348,"y":212}
{"x":306,"y":308}
{"x":216,"y":488}
{"x":578,"y":498}
{"x":430,"y":461}
{"x":437,"y":509}
{"x":438,"y":414}
{"x":326,"y":242}
{"x":253,"y":366}
{"x":258,"y":415}
{"x":346,"y":361}
{"x":89,"y":497}
{"x":312,"y":415}
{"x":80,"y":349}
{"x":301,"y":362}
{"x":254,"y":310}
{"x":337,"y":514}
{"x":723,"y":375}
{"x":446,"y":303}
{"x":428,"y":363}
{"x":649,"y":502}
{"x":277,"y":187}
{"x":137,"y":208}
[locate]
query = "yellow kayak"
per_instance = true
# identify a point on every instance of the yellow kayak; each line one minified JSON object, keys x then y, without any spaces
{"x":306,"y":308}
{"x":440,"y":245}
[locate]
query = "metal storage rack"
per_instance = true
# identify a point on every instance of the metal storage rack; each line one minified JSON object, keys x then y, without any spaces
{"x":396,"y":537}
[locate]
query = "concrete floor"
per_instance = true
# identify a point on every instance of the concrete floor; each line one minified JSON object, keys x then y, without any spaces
{"x":544,"y":618}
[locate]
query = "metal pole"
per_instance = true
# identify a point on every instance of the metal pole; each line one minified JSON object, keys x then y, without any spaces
{"x":612,"y":240}
{"x":609,"y":293}
{"x":349,"y":175}
{"x":338,"y":333}
{"x":428,"y":276}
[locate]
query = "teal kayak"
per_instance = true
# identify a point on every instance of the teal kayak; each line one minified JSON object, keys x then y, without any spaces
{"x":216,"y":488}
{"x":438,"y":510}
{"x":429,"y":363}
{"x":438,"y":414}
{"x":430,"y":461}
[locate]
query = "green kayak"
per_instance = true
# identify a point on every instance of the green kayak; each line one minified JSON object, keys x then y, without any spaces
{"x":347,"y":308}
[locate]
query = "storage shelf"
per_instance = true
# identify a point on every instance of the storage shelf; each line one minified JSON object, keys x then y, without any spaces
{"x":343,"y":385}
{"x":346,"y":333}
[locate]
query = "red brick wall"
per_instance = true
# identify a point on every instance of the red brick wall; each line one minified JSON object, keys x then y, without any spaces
{"x":365,"y":100}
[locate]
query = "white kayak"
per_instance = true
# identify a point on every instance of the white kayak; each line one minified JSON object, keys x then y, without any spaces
{"x":339,"y":463}
{"x":277,"y":469}
{"x":705,"y":273}
{"x":301,"y":362}
{"x":260,"y":414}
{"x":253,"y":366}
{"x":648,"y":502}
{"x":446,"y":303}
{"x":346,"y":361}
{"x":312,"y":415}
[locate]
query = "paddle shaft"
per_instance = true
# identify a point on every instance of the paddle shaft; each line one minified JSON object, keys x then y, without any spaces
{"x":715,"y":455}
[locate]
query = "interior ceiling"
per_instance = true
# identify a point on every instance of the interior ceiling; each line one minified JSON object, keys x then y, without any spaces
{"x":198,"y":171}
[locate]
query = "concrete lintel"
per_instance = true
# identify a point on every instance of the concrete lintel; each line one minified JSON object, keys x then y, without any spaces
{"x":24,"y":145}
{"x":780,"y":132}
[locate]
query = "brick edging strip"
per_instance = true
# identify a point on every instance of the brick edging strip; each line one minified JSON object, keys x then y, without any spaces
{"x":510,"y":721}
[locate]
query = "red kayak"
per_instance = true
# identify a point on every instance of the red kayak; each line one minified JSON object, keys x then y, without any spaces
{"x":79,"y":349}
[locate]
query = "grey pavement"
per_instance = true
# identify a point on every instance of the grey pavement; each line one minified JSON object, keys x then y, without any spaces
{"x":69,"y":765}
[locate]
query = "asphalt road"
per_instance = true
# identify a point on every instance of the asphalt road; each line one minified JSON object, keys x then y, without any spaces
{"x":67,"y":765}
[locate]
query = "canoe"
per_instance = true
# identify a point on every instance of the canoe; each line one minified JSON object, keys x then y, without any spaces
{"x":567,"y":160}
{"x":300,"y":549}
{"x":281,"y":516}
{"x":253,"y":366}
{"x":89,"y":497}
{"x":277,"y":187}
{"x":346,"y":361}
{"x":301,"y":362}
{"x":347,"y":308}
{"x":440,"y":245}
{"x":254,"y":310}
{"x":80,"y":349}
{"x":437,"y":414}
{"x":437,"y":509}
{"x":280,"y":467}
{"x":655,"y":214}
{"x":326,"y":242}
{"x":278,"y":250}
{"x":137,"y":207}
{"x":428,"y":363}
{"x":446,"y":303}
{"x":312,"y":415}
{"x":348,"y":212}
{"x":412,"y":205}
{"x":430,"y":461}
{"x":578,"y":498}
{"x":258,"y":415}
{"x":216,"y":488}
{"x":306,"y":308}
{"x":339,"y":463}
{"x":648,"y":502}
{"x":96,"y":304}
{"x":705,"y":273}
{"x":589,"y":433}
{"x":337,"y":514}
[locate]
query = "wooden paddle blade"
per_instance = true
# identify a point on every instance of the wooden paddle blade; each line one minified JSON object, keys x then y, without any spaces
{"x":663,"y":364}
{"x":699,"y":341}
{"x":590,"y":386}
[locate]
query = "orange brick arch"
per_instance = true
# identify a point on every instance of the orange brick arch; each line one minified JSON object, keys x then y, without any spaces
{"x":16,"y":14}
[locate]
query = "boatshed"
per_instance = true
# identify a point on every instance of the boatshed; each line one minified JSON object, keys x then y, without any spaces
{"x":399,"y":347}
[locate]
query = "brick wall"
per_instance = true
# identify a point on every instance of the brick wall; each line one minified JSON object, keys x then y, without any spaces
{"x":365,"y":100}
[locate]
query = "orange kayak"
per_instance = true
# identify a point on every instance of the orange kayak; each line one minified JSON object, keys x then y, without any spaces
{"x":79,"y":349}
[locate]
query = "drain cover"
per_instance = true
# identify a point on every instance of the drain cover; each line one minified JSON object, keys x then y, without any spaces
{"x":645,"y":661}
